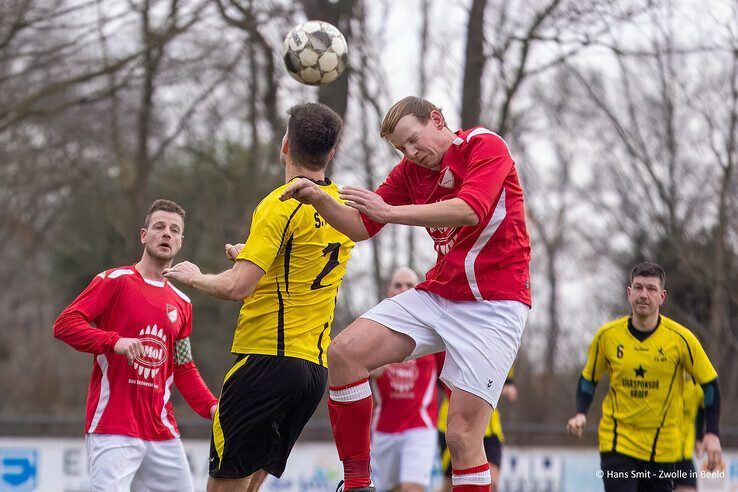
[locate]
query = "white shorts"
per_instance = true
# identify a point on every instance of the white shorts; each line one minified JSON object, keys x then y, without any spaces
{"x":122,"y":463}
{"x":405,"y":457}
{"x":481,"y":338}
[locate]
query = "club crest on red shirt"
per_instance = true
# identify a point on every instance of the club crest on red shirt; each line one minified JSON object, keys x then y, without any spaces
{"x":172,"y":313}
{"x":447,"y":179}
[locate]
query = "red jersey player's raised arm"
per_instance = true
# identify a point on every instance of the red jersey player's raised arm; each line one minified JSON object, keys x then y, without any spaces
{"x":187,"y":378}
{"x":74,"y":325}
{"x":394,"y":191}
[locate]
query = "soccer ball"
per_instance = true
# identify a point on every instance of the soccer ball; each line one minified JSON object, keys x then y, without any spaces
{"x":315,"y":53}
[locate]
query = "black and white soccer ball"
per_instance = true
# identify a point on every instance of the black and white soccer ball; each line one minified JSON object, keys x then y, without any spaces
{"x":315,"y":53}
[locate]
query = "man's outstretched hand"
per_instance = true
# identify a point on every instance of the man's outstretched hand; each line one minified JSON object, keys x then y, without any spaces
{"x":303,"y":190}
{"x":184,"y":272}
{"x":367,"y":202}
{"x":232,"y":250}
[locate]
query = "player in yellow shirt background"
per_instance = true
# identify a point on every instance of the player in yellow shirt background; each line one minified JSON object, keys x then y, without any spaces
{"x":494,"y":438}
{"x":646,"y":355}
{"x":287,"y":275}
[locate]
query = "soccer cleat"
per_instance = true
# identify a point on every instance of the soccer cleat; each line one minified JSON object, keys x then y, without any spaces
{"x":368,"y":488}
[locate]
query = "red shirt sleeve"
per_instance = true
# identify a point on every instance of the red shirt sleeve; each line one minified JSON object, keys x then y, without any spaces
{"x":489,"y":163}
{"x":190,"y":384}
{"x":187,"y":377}
{"x":394,"y":191}
{"x":74,"y":325}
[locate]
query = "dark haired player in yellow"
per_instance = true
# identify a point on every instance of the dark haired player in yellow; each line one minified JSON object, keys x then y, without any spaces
{"x":287,"y":275}
{"x":646,"y":355}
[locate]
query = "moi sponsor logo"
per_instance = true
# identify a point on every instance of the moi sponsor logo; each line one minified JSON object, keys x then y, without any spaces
{"x":154,"y":341}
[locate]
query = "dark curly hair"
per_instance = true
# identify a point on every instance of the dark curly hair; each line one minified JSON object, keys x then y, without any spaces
{"x":312,"y":132}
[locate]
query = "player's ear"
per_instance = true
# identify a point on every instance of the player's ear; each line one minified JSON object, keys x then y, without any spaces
{"x":437,"y":118}
{"x":143,"y":235}
{"x":331,"y":154}
{"x":285,"y":145}
{"x":663,"y":296}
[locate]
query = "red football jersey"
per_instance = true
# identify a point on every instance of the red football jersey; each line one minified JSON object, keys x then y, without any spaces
{"x":489,"y":260}
{"x":405,"y":396}
{"x":133,"y":399}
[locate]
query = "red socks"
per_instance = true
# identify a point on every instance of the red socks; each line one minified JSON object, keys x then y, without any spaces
{"x":350,"y":409}
{"x":475,"y":479}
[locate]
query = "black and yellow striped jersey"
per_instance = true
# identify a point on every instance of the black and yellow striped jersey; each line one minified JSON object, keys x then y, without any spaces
{"x":291,"y":310}
{"x":642,"y":412}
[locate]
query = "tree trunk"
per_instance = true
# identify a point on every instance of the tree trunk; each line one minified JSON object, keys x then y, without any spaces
{"x":339,"y":13}
{"x":471,"y":95}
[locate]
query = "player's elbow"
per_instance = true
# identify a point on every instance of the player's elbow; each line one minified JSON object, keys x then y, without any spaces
{"x":60,"y":327}
{"x":236,"y":293}
{"x":468,"y":217}
{"x":465,"y":214}
{"x":57,"y":329}
{"x":238,"y":290}
{"x":358,"y":235}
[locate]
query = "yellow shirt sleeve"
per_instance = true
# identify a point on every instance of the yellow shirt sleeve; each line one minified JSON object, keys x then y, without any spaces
{"x":695,"y":359}
{"x":595,"y":366}
{"x":268,"y":226}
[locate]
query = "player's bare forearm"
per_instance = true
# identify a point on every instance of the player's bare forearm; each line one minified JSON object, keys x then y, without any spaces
{"x":232,"y":285}
{"x":220,"y":285}
{"x":447,"y":213}
{"x":341,"y":217}
{"x":223,"y":286}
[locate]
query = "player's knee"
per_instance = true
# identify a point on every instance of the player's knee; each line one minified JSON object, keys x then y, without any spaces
{"x":461,"y":437}
{"x":339,"y":352}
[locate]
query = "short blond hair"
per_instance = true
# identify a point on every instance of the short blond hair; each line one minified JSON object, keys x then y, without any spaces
{"x":411,"y":105}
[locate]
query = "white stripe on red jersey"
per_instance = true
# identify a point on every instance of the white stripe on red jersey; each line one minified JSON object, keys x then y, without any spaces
{"x":102,"y":401}
{"x":471,"y":257}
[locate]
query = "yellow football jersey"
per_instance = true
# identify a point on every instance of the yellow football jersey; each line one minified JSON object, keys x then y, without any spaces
{"x":291,"y":310}
{"x":693,"y":400}
{"x":642,"y":412}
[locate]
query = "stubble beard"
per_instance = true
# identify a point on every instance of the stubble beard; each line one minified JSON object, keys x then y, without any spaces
{"x":160,"y":257}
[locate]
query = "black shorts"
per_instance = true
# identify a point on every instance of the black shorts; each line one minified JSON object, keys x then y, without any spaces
{"x":265,"y":403}
{"x":622,"y":473}
{"x":685,"y":474}
{"x":492,"y":448}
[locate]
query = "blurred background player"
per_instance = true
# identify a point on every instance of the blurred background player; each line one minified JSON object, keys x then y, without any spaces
{"x":404,"y":425}
{"x":287,"y":276}
{"x":693,"y":423}
{"x":463,"y":187}
{"x":646,"y":354}
{"x":493,"y":436}
{"x":137,"y":324}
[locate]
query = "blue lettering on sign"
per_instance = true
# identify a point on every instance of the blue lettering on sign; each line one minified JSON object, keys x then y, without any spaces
{"x":18,"y":469}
